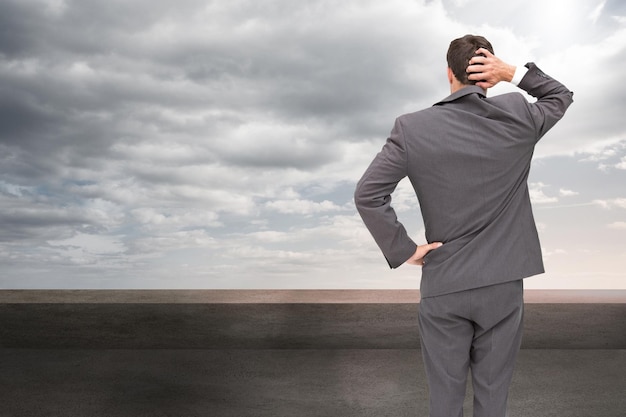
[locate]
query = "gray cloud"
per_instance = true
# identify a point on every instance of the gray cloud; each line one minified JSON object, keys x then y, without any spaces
{"x":180,"y":133}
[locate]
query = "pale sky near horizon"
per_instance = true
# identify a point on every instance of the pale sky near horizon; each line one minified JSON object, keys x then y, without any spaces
{"x":216,"y":144}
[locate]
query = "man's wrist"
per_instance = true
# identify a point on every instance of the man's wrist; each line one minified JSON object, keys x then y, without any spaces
{"x":519,"y":73}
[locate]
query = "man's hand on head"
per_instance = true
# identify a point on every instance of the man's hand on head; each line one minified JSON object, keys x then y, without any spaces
{"x":488,"y":70}
{"x":420,"y":252}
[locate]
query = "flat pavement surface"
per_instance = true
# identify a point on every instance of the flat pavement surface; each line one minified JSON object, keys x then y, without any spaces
{"x":281,"y":326}
{"x":287,"y":382}
{"x":277,"y":353}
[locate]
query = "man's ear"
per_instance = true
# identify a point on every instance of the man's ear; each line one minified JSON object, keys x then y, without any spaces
{"x":450,"y":75}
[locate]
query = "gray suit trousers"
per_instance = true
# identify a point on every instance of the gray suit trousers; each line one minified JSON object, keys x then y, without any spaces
{"x":478,"y":330}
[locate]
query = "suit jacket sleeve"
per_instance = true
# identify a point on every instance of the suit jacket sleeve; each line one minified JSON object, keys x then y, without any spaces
{"x":373,"y":199}
{"x":553,"y":98}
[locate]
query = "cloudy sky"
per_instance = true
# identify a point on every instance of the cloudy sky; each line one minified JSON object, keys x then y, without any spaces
{"x":216,"y":144}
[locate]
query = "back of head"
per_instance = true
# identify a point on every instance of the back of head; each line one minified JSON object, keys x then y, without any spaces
{"x":461,"y":50}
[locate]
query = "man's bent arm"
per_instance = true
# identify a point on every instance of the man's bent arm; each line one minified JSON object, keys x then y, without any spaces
{"x":553,"y":98}
{"x":373,"y":200}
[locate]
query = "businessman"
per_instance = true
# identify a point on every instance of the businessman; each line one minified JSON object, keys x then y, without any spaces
{"x":468,"y":158}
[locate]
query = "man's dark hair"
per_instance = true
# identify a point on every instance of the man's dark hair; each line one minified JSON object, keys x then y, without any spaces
{"x":461,"y":50}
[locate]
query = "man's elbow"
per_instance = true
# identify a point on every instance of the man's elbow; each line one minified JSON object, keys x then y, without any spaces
{"x":359,"y":196}
{"x":364,"y":199}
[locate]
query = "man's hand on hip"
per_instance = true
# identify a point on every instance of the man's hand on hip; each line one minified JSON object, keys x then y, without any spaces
{"x":420,"y":252}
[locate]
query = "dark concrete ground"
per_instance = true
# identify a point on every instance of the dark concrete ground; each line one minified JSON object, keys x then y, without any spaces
{"x":281,"y":326}
{"x":105,"y":357}
{"x":287,"y":383}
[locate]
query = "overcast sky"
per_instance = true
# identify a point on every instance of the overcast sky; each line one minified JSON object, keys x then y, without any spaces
{"x":217,"y":144}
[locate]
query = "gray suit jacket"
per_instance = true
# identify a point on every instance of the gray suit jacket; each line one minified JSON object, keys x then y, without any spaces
{"x":468,"y":159}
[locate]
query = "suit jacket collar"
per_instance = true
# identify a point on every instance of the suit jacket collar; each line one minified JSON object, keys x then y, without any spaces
{"x":465,"y":91}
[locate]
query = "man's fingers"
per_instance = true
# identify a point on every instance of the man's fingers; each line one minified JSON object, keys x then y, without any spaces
{"x":475,"y":69}
{"x":481,"y":56}
{"x":431,"y":246}
{"x":421,"y":251}
{"x":477,"y":60}
{"x":485,"y":52}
